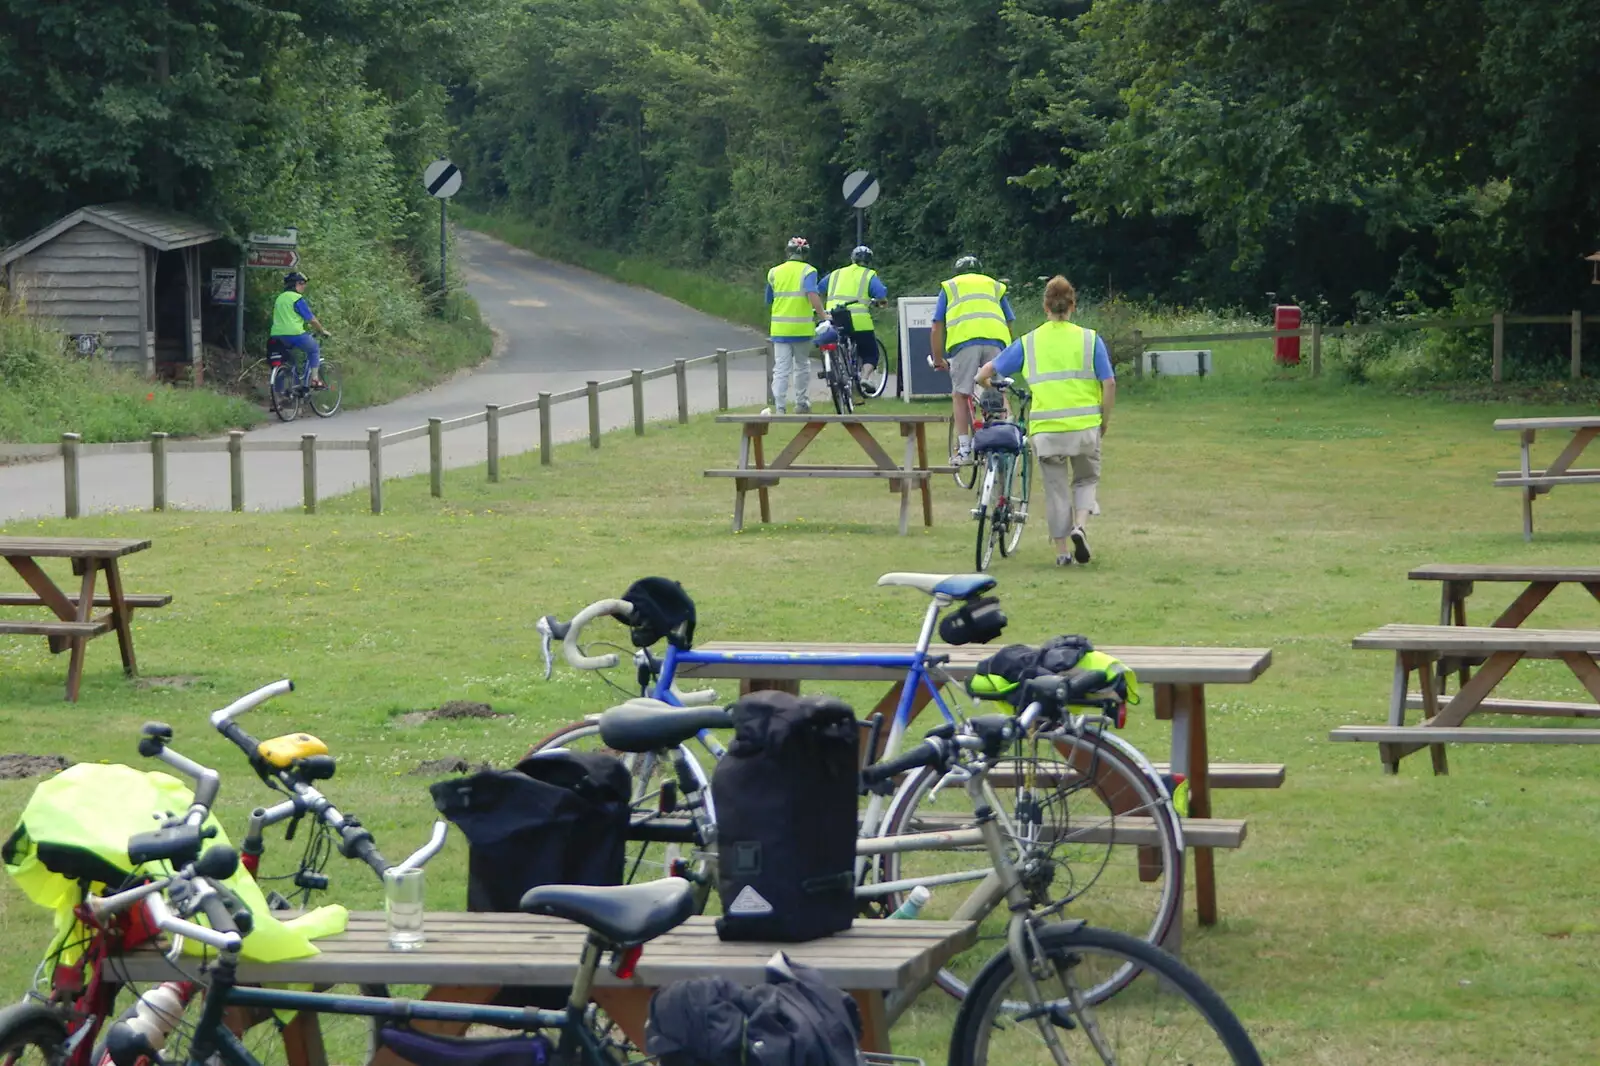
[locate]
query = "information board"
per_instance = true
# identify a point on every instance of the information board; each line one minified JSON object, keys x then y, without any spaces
{"x":920,"y":381}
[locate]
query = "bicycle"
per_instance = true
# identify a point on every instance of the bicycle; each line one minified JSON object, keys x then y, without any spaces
{"x":289,"y":383}
{"x":1002,"y":447}
{"x":839,"y":367}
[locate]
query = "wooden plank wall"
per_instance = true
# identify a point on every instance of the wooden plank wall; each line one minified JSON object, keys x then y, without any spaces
{"x":88,"y":280}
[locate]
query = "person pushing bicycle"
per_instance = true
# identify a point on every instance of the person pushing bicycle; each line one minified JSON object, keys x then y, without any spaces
{"x":291,"y":315}
{"x":858,"y":288}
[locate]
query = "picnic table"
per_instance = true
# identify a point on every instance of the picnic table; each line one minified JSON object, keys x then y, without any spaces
{"x":760,"y":476}
{"x":75,"y":624}
{"x":1534,"y":482}
{"x":468,"y":958}
{"x":1177,"y":676}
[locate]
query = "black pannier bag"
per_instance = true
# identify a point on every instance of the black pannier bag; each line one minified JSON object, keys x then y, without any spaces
{"x":998,"y":437}
{"x":785,"y":797}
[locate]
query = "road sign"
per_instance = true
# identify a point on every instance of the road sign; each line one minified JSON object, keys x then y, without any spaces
{"x":860,"y":189}
{"x":442,"y":179}
{"x":287,"y":239}
{"x":277,"y":258}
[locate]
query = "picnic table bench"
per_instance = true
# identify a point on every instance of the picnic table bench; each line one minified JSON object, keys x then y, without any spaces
{"x":1534,"y":482}
{"x":468,"y":958}
{"x":1177,"y":676}
{"x":1418,"y":647}
{"x":75,"y":623}
{"x":760,"y":476}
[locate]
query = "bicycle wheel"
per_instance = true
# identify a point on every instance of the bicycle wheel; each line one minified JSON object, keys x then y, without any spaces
{"x":1017,"y":485}
{"x":986,"y":513}
{"x":881,"y":382}
{"x":28,"y":1037}
{"x":838,"y":382}
{"x":1170,"y":1016}
{"x":1086,"y":786}
{"x":966,"y":476}
{"x":285,"y":399}
{"x":853,"y":366}
{"x":325,"y":401}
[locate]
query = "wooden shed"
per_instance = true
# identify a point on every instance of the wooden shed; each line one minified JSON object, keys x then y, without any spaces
{"x":120,"y":278}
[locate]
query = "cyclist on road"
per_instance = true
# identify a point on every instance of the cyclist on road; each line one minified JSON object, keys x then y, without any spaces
{"x":971,"y":323}
{"x":291,"y":314}
{"x":858,"y":288}
{"x":796,"y":304}
{"x":1069,"y":372}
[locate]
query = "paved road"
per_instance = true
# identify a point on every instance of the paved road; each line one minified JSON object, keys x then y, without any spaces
{"x":559,"y":327}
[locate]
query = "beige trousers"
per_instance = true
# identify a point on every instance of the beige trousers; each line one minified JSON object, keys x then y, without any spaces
{"x":1064,"y":489}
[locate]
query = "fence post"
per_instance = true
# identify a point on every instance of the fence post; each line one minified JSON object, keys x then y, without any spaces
{"x":69,"y":470}
{"x":1316,"y":349}
{"x":638,"y":402}
{"x":308,"y":470}
{"x":1499,"y":346}
{"x":770,"y":368}
{"x":722,"y":379}
{"x":1577,"y":345}
{"x":492,"y":412}
{"x":680,"y":369}
{"x":544,"y":429}
{"x":375,"y":468}
{"x":236,"y":467}
{"x":594,"y":413}
{"x":158,"y":471}
{"x":1138,"y":353}
{"x":435,"y":457}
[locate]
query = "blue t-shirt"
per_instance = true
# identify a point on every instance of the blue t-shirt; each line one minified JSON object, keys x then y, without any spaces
{"x":939,"y":313}
{"x":876,"y":290}
{"x":1009,"y":362}
{"x":303,"y":309}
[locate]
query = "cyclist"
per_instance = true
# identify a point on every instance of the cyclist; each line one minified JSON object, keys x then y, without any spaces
{"x":1069,"y":371}
{"x":858,"y":288}
{"x":290,"y":316}
{"x":971,"y":323}
{"x":796,"y":304}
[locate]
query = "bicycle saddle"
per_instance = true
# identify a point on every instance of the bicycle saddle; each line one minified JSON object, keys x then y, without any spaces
{"x":625,"y":915}
{"x":642,"y":725}
{"x":959,"y":586}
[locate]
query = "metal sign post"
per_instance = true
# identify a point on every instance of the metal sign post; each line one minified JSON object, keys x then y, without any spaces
{"x":860,"y":192}
{"x":442,"y":179}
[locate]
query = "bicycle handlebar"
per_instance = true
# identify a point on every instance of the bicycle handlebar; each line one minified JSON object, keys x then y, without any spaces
{"x":552,"y":629}
{"x":250,"y":702}
{"x":929,"y":752}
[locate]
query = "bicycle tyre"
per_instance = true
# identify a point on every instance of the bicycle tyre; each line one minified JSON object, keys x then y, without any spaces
{"x":1016,"y":502}
{"x":31,"y":1027}
{"x":1118,"y":897}
{"x":884,"y":371}
{"x":853,"y":365}
{"x":326,"y":401}
{"x":987,"y":1015}
{"x":966,"y":476}
{"x":985,"y":547}
{"x":281,"y":389}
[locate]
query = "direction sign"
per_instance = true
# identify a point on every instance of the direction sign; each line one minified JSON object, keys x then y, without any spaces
{"x":287,"y":239}
{"x":860,"y":189}
{"x":278,"y":258}
{"x":442,"y":179}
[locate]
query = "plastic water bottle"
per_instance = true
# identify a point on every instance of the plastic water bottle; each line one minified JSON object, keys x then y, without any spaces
{"x":915,"y":901}
{"x":157,"y":1013}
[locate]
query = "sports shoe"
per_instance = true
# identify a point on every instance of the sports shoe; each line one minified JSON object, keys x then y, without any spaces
{"x":803,"y":408}
{"x":1064,"y":560}
{"x":1080,"y":545}
{"x":768,"y":410}
{"x":963,"y":457}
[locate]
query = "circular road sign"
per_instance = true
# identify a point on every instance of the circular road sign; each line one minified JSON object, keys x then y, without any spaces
{"x":442,"y":179}
{"x":860,"y":189}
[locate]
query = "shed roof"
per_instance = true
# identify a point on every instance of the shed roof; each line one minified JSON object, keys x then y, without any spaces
{"x":161,"y":230}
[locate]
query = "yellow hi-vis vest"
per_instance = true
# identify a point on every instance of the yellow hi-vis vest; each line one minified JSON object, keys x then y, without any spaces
{"x":792,"y":317}
{"x":852,"y":285}
{"x":972,"y":311}
{"x":286,"y":321}
{"x":1058,"y":361}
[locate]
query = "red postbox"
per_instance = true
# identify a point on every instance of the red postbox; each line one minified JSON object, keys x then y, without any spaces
{"x":1287,"y":349}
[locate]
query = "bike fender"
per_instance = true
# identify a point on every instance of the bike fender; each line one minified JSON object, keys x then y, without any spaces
{"x":31,"y":1013}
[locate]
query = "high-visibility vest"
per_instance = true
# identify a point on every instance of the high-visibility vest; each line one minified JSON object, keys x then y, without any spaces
{"x":972,"y":311}
{"x":792,"y":316}
{"x":852,"y":286}
{"x":286,"y":321}
{"x":1058,"y":361}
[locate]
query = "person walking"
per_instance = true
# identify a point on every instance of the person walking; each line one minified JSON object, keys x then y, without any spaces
{"x":796,"y":304}
{"x":858,"y":288}
{"x":1069,"y":372}
{"x":971,"y":323}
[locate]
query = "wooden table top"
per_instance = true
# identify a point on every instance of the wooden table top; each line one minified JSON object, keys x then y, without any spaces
{"x":1497,"y":572}
{"x":1181,"y":666}
{"x":521,"y":949}
{"x":803,"y":419}
{"x":1399,"y":636}
{"x":1560,"y":422}
{"x":70,"y":547}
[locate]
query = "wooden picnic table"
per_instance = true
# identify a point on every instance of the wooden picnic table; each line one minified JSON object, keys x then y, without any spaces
{"x":468,"y":958}
{"x":75,"y":625}
{"x":760,"y":476}
{"x":1177,"y":676}
{"x":1534,"y":482}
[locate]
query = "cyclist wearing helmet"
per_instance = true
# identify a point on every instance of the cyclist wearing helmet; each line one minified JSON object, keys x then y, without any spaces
{"x":796,"y":304}
{"x":290,"y":316}
{"x":971,"y":323}
{"x":858,"y":288}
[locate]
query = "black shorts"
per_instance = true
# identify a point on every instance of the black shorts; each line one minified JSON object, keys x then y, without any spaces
{"x":866,"y":347}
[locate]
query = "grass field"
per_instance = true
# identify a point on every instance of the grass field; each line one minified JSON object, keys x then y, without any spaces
{"x":1367,"y":919}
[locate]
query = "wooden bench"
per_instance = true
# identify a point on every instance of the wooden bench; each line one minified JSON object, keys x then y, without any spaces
{"x":142,"y":601}
{"x":881,"y":963}
{"x":1418,"y":647}
{"x":1534,"y":482}
{"x":754,"y":474}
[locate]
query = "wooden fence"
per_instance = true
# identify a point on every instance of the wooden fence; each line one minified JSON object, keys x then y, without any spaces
{"x":72,"y":449}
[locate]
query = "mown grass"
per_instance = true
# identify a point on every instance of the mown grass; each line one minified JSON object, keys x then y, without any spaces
{"x":1368,"y":919}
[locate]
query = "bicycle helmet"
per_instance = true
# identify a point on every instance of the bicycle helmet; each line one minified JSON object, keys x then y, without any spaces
{"x":968,"y":262}
{"x":291,"y":280}
{"x":861,"y":255}
{"x":798,"y":246}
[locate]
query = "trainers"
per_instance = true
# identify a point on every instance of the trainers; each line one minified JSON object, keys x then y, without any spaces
{"x":768,"y":411}
{"x":1080,"y":545}
{"x":803,"y":408}
{"x":963,"y":457}
{"x":1064,"y":560}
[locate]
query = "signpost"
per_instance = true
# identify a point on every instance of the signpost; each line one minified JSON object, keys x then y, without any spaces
{"x":273,"y":258}
{"x":860,"y":192}
{"x":442,"y":179}
{"x":263,"y":251}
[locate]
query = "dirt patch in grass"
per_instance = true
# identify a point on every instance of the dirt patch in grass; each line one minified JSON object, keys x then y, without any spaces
{"x":173,"y":681}
{"x":16,"y":767}
{"x":451,"y":711}
{"x":455,"y":765}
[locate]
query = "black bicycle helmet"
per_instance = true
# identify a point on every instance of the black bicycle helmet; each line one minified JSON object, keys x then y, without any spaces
{"x":293,"y":279}
{"x":861,"y":255}
{"x":661,"y":608}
